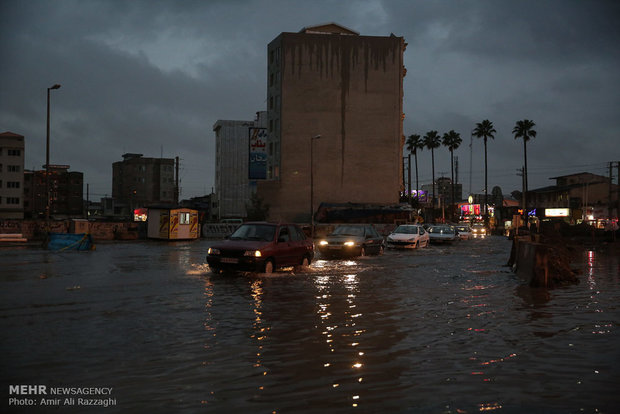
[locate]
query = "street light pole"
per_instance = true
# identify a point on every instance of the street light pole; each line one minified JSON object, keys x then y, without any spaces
{"x":312,"y":184}
{"x":47,"y":156}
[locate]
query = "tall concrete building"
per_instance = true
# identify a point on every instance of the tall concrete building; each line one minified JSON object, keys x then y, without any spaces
{"x":140,"y":182}
{"x":11,"y":175}
{"x":240,"y":160}
{"x":330,"y":81}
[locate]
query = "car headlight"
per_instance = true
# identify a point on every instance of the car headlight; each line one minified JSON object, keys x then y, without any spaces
{"x":253,"y":253}
{"x":213,"y":251}
{"x":323,"y":243}
{"x":349,"y":243}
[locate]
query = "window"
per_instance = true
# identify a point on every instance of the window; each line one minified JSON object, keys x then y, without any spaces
{"x":283,"y":236}
{"x":12,"y":168}
{"x":12,"y":200}
{"x":14,"y":152}
{"x":183,"y":218}
{"x":12,"y":184}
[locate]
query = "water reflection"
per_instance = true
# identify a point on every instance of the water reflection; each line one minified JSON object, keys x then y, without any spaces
{"x":435,"y":330}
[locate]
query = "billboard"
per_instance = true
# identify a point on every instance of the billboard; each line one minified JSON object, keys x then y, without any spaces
{"x":258,"y":154}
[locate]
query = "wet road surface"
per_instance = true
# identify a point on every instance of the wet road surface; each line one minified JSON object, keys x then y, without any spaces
{"x":446,"y":329}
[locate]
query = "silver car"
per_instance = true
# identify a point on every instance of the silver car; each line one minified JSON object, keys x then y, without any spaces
{"x":442,"y":234}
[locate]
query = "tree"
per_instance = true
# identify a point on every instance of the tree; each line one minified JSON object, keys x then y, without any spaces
{"x":485,"y":130}
{"x":452,"y":140}
{"x":523,"y":129}
{"x":414,"y":143}
{"x":432,"y":141}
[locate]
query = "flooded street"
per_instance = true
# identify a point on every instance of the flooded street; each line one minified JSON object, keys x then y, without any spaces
{"x":446,"y":329}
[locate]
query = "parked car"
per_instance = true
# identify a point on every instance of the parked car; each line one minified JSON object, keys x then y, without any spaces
{"x":410,"y":236}
{"x":464,"y":232}
{"x":261,"y":247}
{"x":479,"y":230}
{"x":351,"y":240}
{"x":442,"y":234}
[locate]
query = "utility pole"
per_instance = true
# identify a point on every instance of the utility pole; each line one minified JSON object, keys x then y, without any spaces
{"x":610,"y":206}
{"x":176,"y":187}
{"x":618,"y":189}
{"x":520,"y":173}
{"x":471,"y":151}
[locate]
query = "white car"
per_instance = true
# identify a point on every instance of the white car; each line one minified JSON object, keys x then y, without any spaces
{"x":408,"y":236}
{"x":464,"y":232}
{"x":478,"y":230}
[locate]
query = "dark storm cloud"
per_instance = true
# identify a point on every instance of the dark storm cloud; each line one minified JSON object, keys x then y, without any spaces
{"x":153,"y":77}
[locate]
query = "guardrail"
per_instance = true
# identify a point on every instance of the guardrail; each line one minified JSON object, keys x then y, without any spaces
{"x":218,"y":230}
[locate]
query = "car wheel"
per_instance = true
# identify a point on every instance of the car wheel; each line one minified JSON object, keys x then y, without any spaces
{"x":362,"y":251}
{"x":305,"y":263}
{"x":215,"y":270}
{"x":417,"y":245}
{"x":381,"y":250}
{"x":269,"y":267}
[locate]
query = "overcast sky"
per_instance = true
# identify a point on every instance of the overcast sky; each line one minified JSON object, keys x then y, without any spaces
{"x":152,"y":77}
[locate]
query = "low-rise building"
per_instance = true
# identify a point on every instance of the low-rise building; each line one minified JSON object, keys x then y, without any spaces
{"x":587,"y":196}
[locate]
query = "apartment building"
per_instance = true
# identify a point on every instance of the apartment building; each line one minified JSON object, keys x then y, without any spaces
{"x":335,"y":132}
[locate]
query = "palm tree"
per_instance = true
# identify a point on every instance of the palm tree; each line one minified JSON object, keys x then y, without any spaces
{"x":485,"y":130}
{"x":414,"y":143}
{"x":452,"y":140}
{"x":432,"y":141}
{"x":523,"y":129}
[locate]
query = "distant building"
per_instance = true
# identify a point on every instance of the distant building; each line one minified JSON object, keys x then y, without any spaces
{"x":140,"y":182}
{"x":11,"y":175}
{"x":585,"y":194}
{"x":240,"y":160}
{"x":330,"y":81}
{"x":66,"y":192}
{"x":443,"y":190}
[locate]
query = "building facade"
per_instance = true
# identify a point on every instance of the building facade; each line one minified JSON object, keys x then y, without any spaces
{"x":588,"y":196}
{"x":329,"y":81}
{"x":240,"y":161}
{"x":140,"y":182}
{"x":11,"y":175}
{"x":66,"y":193}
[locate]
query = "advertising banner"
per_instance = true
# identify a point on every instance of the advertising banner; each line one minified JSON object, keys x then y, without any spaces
{"x":258,"y":154}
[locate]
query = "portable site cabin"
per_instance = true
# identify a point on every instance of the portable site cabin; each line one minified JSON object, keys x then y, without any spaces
{"x":173,"y":224}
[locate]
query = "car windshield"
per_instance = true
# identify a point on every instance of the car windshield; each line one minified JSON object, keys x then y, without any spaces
{"x":406,"y":230}
{"x":263,"y":232}
{"x":349,"y":231}
{"x":441,"y":230}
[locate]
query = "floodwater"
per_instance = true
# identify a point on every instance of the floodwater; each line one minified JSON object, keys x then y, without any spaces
{"x":446,"y":329}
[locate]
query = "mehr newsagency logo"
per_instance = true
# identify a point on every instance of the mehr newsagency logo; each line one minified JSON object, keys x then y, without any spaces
{"x":44,"y":396}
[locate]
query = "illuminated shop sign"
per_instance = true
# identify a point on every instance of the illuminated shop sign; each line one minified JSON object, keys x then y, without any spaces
{"x":470,"y":209}
{"x":140,"y":214}
{"x":557,"y":212}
